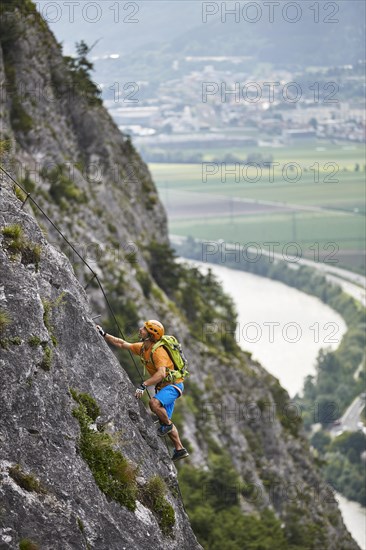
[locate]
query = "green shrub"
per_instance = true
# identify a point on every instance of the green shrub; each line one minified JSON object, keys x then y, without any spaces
{"x":5,"y":320}
{"x":13,"y":340}
{"x":79,"y":69}
{"x":112,"y":472}
{"x":16,"y":243}
{"x":131,"y":258}
{"x":47,"y":358}
{"x":289,"y":417}
{"x":301,"y":531}
{"x":25,"y":481}
{"x":21,"y":121}
{"x":80,"y":524}
{"x":34,"y":341}
{"x":144,"y":281}
{"x":320,"y":441}
{"x":163,"y":266}
{"x":19,"y":193}
{"x":111,"y":227}
{"x":4,"y":343}
{"x":152,"y":495}
{"x":233,"y":530}
{"x":5,"y":146}
{"x":346,"y":474}
{"x":27,"y":544}
{"x":212,"y":501}
{"x":91,"y":406}
{"x":13,"y":231}
{"x":350,"y":444}
{"x":62,"y":188}
{"x":48,"y":307}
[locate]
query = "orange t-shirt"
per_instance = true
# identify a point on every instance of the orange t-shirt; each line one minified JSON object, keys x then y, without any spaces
{"x":161,"y":359}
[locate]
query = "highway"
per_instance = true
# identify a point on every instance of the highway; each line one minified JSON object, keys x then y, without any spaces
{"x":350,"y":420}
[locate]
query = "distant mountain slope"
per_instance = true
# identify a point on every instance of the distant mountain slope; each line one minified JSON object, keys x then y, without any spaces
{"x":307,"y":34}
{"x":295,"y":34}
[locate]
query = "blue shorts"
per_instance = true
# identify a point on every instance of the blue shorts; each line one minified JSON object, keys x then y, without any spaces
{"x":168,"y":395}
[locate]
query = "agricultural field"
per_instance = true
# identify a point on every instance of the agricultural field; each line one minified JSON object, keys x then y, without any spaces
{"x":313,"y":195}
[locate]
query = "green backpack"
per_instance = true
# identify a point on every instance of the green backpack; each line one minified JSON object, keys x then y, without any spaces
{"x":175,"y":352}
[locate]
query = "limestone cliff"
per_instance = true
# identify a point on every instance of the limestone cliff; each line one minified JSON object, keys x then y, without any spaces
{"x":67,"y":481}
{"x":49,"y":351}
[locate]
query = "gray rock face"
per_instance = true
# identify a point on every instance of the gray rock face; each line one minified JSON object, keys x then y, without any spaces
{"x":38,"y":433}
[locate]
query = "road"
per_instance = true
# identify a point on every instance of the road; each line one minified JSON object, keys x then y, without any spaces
{"x":351,"y":418}
{"x":352,"y":283}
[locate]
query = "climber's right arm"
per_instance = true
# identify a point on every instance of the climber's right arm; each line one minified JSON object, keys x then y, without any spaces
{"x":118,"y":342}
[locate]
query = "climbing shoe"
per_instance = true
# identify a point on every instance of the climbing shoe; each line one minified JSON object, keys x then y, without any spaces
{"x":178,"y":455}
{"x":165,"y":429}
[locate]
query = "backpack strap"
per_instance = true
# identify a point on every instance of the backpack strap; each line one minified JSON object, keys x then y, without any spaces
{"x":157,"y":345}
{"x":151,"y":356}
{"x":142,"y":358}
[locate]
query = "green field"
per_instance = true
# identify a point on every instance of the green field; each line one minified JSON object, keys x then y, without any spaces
{"x":314,"y":194}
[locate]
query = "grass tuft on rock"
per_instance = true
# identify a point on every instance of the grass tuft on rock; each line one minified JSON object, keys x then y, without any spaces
{"x":47,"y":358}
{"x":16,"y":243}
{"x":25,"y":481}
{"x":5,"y":320}
{"x":27,"y":544}
{"x":34,"y":341}
{"x":152,"y":495}
{"x":19,"y":193}
{"x":91,"y":406}
{"x":12,"y":341}
{"x":48,"y":307}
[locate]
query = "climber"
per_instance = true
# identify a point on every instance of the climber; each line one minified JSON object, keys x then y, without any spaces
{"x":166,"y":392}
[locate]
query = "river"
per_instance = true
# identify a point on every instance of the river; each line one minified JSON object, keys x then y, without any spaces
{"x":282,"y":327}
{"x":285,"y":329}
{"x":354,"y":517}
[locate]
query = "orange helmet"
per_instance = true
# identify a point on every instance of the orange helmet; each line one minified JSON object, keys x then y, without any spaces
{"x":155,"y":328}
